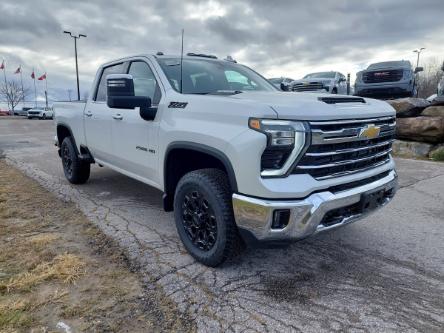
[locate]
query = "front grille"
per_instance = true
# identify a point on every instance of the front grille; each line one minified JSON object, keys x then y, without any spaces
{"x":307,"y":86}
{"x":337,"y":148}
{"x":33,"y":112}
{"x":382,"y":76}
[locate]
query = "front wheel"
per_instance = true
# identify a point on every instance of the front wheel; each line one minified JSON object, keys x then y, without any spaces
{"x":76,"y":170}
{"x":204,"y":216}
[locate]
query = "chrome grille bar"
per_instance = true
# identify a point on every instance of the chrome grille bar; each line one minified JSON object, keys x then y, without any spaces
{"x":351,"y":150}
{"x":385,"y":152}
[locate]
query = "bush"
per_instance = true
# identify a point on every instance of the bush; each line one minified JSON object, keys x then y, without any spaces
{"x":438,"y":154}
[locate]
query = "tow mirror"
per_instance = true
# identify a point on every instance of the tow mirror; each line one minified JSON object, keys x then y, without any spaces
{"x":419,"y":69}
{"x":120,"y":95}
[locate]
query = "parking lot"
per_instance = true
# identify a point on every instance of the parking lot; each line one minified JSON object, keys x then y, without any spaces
{"x":385,"y":273}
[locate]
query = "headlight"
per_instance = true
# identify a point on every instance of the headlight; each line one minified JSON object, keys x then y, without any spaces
{"x":285,"y":142}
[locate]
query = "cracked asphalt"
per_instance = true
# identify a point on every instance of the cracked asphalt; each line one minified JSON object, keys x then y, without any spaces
{"x":385,"y":273}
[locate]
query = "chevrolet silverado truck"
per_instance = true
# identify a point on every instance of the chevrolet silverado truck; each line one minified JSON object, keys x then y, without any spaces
{"x":237,"y":160}
{"x":390,"y":79}
{"x":327,"y":82}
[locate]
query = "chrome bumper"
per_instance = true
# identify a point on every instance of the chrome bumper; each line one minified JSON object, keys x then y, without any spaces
{"x":307,"y":216}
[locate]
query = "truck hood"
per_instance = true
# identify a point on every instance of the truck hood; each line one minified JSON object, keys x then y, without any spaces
{"x":303,"y":106}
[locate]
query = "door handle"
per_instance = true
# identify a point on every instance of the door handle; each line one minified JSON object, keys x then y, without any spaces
{"x":88,"y":114}
{"x":118,"y":116}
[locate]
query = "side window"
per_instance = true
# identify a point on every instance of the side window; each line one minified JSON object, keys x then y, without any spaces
{"x":145,"y":83}
{"x":101,"y":91}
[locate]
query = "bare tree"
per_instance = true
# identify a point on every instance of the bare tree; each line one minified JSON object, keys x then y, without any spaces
{"x":429,"y":79}
{"x":12,"y":92}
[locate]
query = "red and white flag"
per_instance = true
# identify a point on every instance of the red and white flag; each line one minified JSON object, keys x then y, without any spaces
{"x":18,"y":70}
{"x":32,"y":75}
{"x":2,"y":66}
{"x":43,"y":77}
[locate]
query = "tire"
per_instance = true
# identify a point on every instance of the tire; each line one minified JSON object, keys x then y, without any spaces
{"x":44,"y":116}
{"x":334,"y":91}
{"x":76,"y":170}
{"x":29,"y":117}
{"x":208,"y":192}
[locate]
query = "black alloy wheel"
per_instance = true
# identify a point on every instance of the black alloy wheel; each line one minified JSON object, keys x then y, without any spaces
{"x":199,"y":220}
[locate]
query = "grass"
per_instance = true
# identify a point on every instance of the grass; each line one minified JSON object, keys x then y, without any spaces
{"x":438,"y":154}
{"x":66,"y":268}
{"x":56,"y":266}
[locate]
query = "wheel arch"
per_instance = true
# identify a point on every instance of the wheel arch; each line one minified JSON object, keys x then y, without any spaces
{"x":204,"y":157}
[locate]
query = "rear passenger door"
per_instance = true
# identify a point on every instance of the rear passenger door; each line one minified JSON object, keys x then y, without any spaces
{"x":98,"y":117}
{"x":134,"y":140}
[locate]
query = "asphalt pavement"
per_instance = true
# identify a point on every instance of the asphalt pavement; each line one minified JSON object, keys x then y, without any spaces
{"x":384,"y":273}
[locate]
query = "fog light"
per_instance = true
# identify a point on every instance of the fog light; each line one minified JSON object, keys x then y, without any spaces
{"x":281,"y":217}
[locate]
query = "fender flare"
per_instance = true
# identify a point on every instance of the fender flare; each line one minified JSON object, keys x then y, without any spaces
{"x":202,"y":148}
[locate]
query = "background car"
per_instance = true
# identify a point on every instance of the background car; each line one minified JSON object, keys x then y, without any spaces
{"x":282,"y":83}
{"x":329,"y":82}
{"x":390,"y":79}
{"x":40,"y":113}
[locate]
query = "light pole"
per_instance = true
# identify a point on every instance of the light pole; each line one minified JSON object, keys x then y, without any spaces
{"x":69,"y":94}
{"x":418,"y":52}
{"x":75,"y":52}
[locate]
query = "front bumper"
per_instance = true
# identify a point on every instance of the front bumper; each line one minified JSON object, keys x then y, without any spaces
{"x":312,"y":214}
{"x":404,"y":87}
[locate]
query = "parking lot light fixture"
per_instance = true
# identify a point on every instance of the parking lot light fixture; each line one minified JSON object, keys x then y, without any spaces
{"x":75,"y":53}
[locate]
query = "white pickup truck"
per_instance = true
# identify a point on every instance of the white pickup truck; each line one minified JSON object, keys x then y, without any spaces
{"x":236,"y":159}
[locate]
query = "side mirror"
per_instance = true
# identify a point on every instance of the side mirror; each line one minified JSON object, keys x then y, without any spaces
{"x":419,"y":69}
{"x":341,"y":79}
{"x":442,"y":67}
{"x":283,"y":87}
{"x":120,"y":95}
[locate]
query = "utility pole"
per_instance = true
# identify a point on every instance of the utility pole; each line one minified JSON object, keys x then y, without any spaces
{"x":75,"y":53}
{"x":418,"y":52}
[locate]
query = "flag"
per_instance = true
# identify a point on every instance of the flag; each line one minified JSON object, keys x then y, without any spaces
{"x":18,"y":70}
{"x":2,"y":66}
{"x":32,"y":75}
{"x":43,"y":77}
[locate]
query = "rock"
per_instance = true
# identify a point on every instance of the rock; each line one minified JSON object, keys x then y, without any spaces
{"x":437,"y":153}
{"x":423,"y":129}
{"x":408,"y":107}
{"x":433,"y":111}
{"x":411,"y":149}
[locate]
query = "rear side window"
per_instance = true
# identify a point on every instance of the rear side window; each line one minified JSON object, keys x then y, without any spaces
{"x":101,"y":91}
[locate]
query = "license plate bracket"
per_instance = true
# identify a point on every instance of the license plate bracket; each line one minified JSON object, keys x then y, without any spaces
{"x":371,"y":200}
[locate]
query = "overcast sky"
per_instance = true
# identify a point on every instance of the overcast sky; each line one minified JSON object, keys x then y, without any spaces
{"x":276,"y":38}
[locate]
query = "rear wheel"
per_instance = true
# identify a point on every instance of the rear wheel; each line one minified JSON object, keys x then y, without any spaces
{"x":76,"y":170}
{"x":334,"y":91}
{"x":204,"y":216}
{"x":44,"y":116}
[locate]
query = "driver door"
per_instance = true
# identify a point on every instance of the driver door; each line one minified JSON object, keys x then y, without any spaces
{"x":134,"y":140}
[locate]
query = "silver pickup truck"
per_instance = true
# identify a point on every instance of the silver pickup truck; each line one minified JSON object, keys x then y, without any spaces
{"x":235,"y":158}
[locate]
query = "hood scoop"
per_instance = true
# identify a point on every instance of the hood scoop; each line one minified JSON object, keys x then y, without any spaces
{"x":337,"y":100}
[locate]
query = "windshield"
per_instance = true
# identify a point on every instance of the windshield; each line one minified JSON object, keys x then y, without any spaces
{"x":205,"y":76}
{"x":321,"y":75}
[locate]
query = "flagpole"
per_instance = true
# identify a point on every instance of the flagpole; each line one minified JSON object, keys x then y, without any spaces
{"x":6,"y":84}
{"x":46,"y":90}
{"x":23,"y":90}
{"x":35,"y":89}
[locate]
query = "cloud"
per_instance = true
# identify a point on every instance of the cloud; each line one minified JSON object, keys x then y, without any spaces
{"x":274,"y":37}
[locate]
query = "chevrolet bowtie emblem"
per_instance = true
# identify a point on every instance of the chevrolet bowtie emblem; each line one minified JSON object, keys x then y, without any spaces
{"x":370,"y":132}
